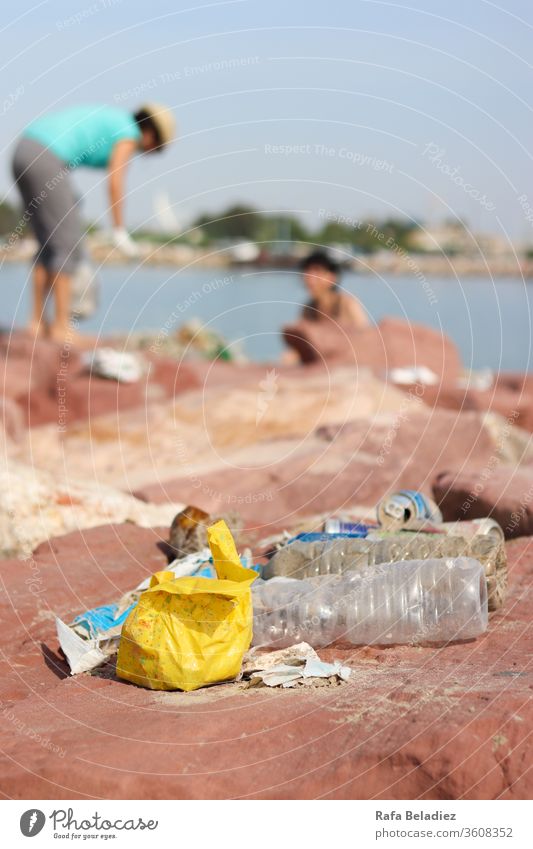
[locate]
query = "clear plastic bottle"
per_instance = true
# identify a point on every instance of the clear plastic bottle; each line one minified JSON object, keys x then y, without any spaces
{"x":417,"y":602}
{"x":336,"y":556}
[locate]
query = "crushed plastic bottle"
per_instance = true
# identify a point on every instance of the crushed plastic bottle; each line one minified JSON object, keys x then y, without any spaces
{"x":335,"y":556}
{"x":415,"y":602}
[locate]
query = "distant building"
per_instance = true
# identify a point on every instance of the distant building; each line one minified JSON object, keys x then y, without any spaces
{"x":453,"y":238}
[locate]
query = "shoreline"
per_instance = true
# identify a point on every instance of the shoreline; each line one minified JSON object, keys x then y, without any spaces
{"x":418,"y":265}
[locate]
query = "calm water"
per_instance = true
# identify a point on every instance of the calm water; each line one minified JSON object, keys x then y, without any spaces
{"x":489,"y":321}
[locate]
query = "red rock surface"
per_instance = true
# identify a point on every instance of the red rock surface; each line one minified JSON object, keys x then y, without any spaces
{"x":11,"y":419}
{"x":413,"y":722}
{"x":511,"y":396}
{"x":393,"y":343}
{"x":37,"y":375}
{"x":504,"y":493}
{"x":348,"y":465}
{"x":31,"y":370}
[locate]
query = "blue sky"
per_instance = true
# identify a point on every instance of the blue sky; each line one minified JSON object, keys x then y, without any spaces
{"x":296,"y":105}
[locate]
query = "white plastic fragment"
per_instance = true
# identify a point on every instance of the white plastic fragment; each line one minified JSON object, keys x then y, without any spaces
{"x":82,"y":655}
{"x":413,"y":374}
{"x":286,"y":667}
{"x":295,"y":655}
{"x":114,"y":365}
{"x":183,"y":567}
{"x":320,"y":669}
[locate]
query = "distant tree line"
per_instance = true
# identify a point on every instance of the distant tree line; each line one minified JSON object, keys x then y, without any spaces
{"x":244,"y":223}
{"x":241,"y":222}
{"x":9,"y":218}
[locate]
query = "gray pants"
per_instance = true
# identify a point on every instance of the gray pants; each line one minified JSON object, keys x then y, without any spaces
{"x":50,"y":204}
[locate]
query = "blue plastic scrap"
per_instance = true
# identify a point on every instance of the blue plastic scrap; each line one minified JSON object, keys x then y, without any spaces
{"x":206,"y":571}
{"x":359,"y":532}
{"x":101,"y":619}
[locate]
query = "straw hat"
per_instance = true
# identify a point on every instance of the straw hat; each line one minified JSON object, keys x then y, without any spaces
{"x":163,"y":119}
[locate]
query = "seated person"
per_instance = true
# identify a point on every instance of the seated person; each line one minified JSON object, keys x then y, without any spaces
{"x":328,"y":301}
{"x":321,"y":278}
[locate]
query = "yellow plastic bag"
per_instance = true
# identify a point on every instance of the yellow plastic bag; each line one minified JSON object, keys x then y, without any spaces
{"x":189,"y":632}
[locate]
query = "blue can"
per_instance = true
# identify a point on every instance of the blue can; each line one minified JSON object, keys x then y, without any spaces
{"x":407,"y":508}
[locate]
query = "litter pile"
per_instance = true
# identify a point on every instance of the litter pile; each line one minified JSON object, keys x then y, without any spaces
{"x":407,"y":578}
{"x":193,"y":340}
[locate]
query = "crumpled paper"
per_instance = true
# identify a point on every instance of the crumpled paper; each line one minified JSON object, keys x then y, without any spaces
{"x":298,"y":664}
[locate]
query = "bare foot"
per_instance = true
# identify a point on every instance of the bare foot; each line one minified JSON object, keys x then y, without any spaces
{"x":66,"y":336}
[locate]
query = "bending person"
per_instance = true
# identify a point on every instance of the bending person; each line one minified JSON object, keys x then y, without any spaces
{"x":49,"y":149}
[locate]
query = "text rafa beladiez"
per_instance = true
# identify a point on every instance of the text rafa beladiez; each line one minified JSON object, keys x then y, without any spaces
{"x":414,"y":815}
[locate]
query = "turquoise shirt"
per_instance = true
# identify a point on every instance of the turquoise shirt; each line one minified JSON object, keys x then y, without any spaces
{"x":84,"y":135}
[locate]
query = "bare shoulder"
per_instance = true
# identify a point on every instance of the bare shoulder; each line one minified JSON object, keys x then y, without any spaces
{"x":353,"y":311}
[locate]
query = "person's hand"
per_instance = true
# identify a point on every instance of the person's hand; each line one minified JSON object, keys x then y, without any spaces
{"x":124,"y":243}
